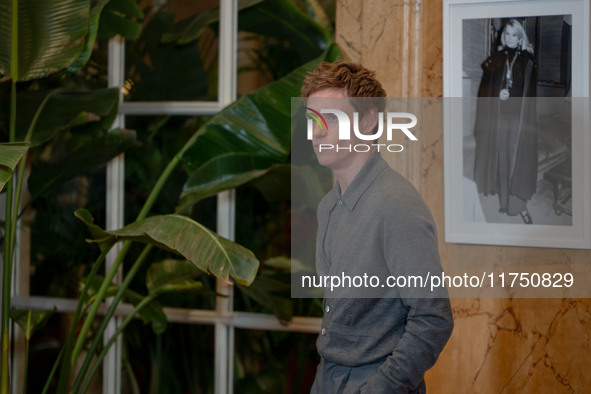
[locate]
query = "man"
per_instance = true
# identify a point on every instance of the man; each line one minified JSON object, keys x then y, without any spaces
{"x":374,"y":339}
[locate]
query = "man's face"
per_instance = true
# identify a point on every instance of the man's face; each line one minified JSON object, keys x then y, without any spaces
{"x":322,"y":138}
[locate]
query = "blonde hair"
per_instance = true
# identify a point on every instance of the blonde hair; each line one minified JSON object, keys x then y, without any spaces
{"x":523,"y":40}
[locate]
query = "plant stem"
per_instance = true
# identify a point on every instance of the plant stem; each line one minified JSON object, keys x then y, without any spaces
{"x":6,"y":290}
{"x":27,"y":347}
{"x":52,"y":372}
{"x":65,"y":372}
{"x":125,"y":248}
{"x":117,"y":298}
{"x":149,"y":298}
{"x":159,"y":185}
{"x":97,"y":302}
{"x":7,"y":272}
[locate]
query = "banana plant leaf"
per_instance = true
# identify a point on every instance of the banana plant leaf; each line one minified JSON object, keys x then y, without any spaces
{"x":190,"y":28}
{"x":282,"y":19}
{"x":29,"y":320}
{"x":94,"y":14}
{"x":64,"y":109}
{"x":92,"y":154}
{"x":151,"y":313}
{"x":10,"y":155}
{"x":69,"y":30}
{"x":206,"y":250}
{"x":121,"y":17}
{"x":257,"y":126}
{"x":237,"y":169}
{"x":272,"y":18}
{"x":172,"y":275}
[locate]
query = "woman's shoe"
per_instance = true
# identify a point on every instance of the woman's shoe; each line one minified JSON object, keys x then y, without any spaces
{"x":526,"y":217}
{"x":502,"y":210}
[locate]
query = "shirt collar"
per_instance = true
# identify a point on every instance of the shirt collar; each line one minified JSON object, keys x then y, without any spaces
{"x":370,"y":170}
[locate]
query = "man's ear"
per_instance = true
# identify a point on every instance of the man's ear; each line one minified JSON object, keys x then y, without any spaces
{"x":369,"y":121}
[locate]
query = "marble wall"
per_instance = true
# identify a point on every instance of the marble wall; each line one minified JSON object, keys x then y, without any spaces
{"x":498,"y":345}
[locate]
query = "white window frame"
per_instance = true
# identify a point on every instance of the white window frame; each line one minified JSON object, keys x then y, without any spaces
{"x":223,"y":318}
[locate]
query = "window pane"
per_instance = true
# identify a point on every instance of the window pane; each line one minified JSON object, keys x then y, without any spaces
{"x":176,"y":56}
{"x":60,"y":256}
{"x":180,"y":360}
{"x":44,"y":350}
{"x":159,"y":139}
{"x":274,"y":362}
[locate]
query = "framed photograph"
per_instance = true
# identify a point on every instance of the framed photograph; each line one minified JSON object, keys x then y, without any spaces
{"x":516,"y":122}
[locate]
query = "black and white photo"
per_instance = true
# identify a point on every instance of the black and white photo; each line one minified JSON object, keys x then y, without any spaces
{"x":517,"y":85}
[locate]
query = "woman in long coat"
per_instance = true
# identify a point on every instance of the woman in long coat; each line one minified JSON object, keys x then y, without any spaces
{"x":506,"y":158}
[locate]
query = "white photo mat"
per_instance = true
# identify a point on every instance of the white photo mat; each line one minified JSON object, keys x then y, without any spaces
{"x":576,"y":234}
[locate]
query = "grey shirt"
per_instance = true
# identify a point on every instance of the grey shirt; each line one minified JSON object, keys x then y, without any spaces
{"x":380,"y":227}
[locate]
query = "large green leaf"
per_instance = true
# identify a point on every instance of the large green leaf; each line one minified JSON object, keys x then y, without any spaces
{"x":89,"y":40}
{"x":256,"y":126}
{"x":174,"y":275}
{"x":282,"y":19}
{"x":202,"y":247}
{"x":29,"y":320}
{"x":191,"y":28}
{"x":60,"y":34}
{"x":51,"y":35}
{"x":64,"y":109}
{"x":223,"y":172}
{"x":10,"y":155}
{"x":272,"y":18}
{"x":104,"y":240}
{"x":120,"y":17}
{"x":92,"y":154}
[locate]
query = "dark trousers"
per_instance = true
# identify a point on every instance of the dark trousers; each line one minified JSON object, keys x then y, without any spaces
{"x":332,"y":378}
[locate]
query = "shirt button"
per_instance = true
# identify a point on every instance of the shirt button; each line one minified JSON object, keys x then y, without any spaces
{"x":327,"y":309}
{"x":340,"y":202}
{"x":323,"y":332}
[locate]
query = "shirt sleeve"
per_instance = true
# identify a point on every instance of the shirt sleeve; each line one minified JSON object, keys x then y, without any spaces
{"x":410,"y":248}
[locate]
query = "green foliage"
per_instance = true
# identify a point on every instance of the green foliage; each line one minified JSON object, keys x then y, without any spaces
{"x":245,"y":139}
{"x":62,"y":110}
{"x":202,"y":247}
{"x":81,"y":160}
{"x":30,"y":321}
{"x":68,"y":130}
{"x":64,"y":25}
{"x":10,"y":157}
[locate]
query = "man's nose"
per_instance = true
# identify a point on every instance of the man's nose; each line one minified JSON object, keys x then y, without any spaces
{"x":318,"y":131}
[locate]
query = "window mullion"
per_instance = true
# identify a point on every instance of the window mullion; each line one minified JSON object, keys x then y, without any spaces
{"x":224,"y":333}
{"x":115,"y":205}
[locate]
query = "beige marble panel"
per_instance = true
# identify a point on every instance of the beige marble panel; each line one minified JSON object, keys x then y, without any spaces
{"x":509,"y":345}
{"x":516,"y":346}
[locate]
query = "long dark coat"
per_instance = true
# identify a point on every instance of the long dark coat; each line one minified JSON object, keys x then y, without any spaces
{"x":520,"y":109}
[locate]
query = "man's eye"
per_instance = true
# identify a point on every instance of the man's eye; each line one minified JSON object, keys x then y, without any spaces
{"x":331,"y":117}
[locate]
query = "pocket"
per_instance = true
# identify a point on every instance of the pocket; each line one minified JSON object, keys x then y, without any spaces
{"x":356,"y":344}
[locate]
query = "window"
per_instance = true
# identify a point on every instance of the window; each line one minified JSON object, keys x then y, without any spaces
{"x":174,"y":102}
